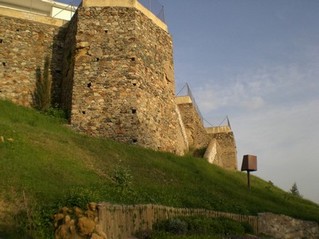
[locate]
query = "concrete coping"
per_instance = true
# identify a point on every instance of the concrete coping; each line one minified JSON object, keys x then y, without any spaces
{"x":218,"y":129}
{"x":183,"y":100}
{"x":32,"y":17}
{"x":126,"y":3}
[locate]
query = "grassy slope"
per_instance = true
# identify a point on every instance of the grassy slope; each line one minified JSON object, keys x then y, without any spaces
{"x":47,"y":160}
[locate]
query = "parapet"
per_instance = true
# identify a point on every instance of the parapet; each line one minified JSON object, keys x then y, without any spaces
{"x":126,"y":3}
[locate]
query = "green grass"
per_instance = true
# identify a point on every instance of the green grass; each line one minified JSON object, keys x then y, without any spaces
{"x":51,"y":165}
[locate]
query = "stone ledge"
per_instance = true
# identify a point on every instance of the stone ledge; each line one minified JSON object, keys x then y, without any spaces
{"x":183,"y":100}
{"x":219,"y":129}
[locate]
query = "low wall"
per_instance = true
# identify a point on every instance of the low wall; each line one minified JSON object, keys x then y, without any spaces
{"x":122,"y":221}
{"x":109,"y":221}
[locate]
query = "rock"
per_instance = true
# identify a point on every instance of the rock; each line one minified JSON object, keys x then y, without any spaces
{"x":65,"y":210}
{"x":92,"y":206}
{"x":1,"y":139}
{"x":10,"y":140}
{"x":86,"y":226}
{"x":57,"y":217}
{"x":78,"y":211}
{"x":96,"y":236}
{"x":67,"y":219}
{"x":83,"y":44}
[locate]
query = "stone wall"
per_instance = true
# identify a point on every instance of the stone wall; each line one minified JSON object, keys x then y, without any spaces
{"x":284,"y":227}
{"x":105,"y":220}
{"x":219,"y":141}
{"x":195,"y":131}
{"x":123,"y":84}
{"x":24,"y":46}
{"x":122,"y":221}
{"x":111,"y":69}
{"x":227,"y":145}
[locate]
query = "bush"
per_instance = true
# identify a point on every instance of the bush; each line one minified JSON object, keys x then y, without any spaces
{"x":202,"y":226}
{"x":122,"y":177}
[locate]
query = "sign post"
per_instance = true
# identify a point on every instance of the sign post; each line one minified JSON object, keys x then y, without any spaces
{"x":249,"y":164}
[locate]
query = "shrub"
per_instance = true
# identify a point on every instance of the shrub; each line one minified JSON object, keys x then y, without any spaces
{"x":203,"y":226}
{"x":122,"y":177}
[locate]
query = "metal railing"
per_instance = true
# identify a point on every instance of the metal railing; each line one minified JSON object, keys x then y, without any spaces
{"x":186,"y":91}
{"x":155,"y":7}
{"x":71,"y":7}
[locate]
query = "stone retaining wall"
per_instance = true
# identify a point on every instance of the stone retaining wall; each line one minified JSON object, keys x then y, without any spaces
{"x":122,"y":221}
{"x":111,"y":221}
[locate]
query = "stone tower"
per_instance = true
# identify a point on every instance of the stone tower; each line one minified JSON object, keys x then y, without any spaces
{"x":119,"y":76}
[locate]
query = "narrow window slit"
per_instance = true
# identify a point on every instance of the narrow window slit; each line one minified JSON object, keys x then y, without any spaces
{"x":4,"y":64}
{"x":133,"y":59}
{"x":1,"y":40}
{"x":83,"y":112}
{"x":133,"y":111}
{"x":89,"y":85}
{"x":134,"y":141}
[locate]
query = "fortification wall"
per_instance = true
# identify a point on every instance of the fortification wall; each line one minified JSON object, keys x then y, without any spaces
{"x":112,"y":69}
{"x":195,"y":131}
{"x":24,"y":46}
{"x":123,"y":84}
{"x":227,"y":145}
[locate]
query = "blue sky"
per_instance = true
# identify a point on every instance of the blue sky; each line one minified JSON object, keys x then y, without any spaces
{"x":256,"y":61}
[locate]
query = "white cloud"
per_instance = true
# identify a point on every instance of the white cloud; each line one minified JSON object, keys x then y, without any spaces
{"x":259,"y":88}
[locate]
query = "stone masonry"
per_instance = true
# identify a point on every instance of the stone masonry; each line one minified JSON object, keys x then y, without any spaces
{"x":24,"y":47}
{"x":122,"y":78}
{"x":112,"y":70}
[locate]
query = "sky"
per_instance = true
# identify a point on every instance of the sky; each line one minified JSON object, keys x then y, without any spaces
{"x":257,"y":62}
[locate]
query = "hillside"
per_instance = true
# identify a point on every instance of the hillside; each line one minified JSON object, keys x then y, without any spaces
{"x":44,"y":165}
